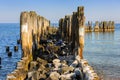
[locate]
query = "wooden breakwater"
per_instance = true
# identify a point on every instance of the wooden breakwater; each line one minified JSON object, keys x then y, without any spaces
{"x":104,"y":26}
{"x":32,"y":26}
{"x":72,"y":30}
{"x":56,"y":60}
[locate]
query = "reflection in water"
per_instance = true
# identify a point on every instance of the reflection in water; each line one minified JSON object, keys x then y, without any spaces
{"x":96,"y":34}
{"x":107,"y":36}
{"x":103,"y":53}
{"x":88,"y":35}
{"x":99,"y":35}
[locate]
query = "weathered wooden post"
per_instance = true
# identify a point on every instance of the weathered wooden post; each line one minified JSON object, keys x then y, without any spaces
{"x":89,"y":26}
{"x":80,"y":30}
{"x":69,"y":28}
{"x":33,"y":17}
{"x":96,"y":28}
{"x":24,"y":22}
{"x":74,"y":20}
{"x":39,"y":24}
{"x":60,"y":27}
{"x":26,"y":38}
{"x":66,"y":28}
{"x":104,"y":26}
{"x":101,"y":27}
{"x":30,"y":31}
{"x":63,"y":27}
{"x":109,"y":26}
{"x":47,"y":25}
{"x":113,"y":25}
{"x":42,"y":29}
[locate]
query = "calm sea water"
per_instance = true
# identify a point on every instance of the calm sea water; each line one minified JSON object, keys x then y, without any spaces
{"x":102,"y":50}
{"x":9,"y":33}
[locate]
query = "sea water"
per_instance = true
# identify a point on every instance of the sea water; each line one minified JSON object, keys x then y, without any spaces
{"x":102,"y":50}
{"x":9,"y":34}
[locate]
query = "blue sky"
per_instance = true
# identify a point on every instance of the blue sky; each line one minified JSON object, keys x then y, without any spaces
{"x":55,"y":9}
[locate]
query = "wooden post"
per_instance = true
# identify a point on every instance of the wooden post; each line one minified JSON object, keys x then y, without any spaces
{"x":42,"y":29}
{"x":39,"y":24}
{"x":26,"y":38}
{"x":33,"y":17}
{"x":25,"y":34}
{"x":96,"y":28}
{"x":80,"y":30}
{"x":101,"y":27}
{"x":66,"y":28}
{"x":69,"y":28}
{"x":74,"y":20}
{"x":61,"y":27}
{"x":104,"y":26}
{"x":89,"y":26}
{"x":113,"y":25}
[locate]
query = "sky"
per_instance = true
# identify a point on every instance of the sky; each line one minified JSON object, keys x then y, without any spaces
{"x":53,"y":10}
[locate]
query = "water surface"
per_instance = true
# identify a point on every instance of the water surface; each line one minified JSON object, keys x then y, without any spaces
{"x":9,"y":33}
{"x":102,"y":50}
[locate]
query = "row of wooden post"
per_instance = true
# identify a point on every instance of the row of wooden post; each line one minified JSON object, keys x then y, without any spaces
{"x":72,"y":29}
{"x":103,"y":26}
{"x":32,"y":28}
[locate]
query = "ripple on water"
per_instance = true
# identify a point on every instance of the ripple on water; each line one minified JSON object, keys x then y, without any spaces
{"x":9,"y":33}
{"x":103,"y":53}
